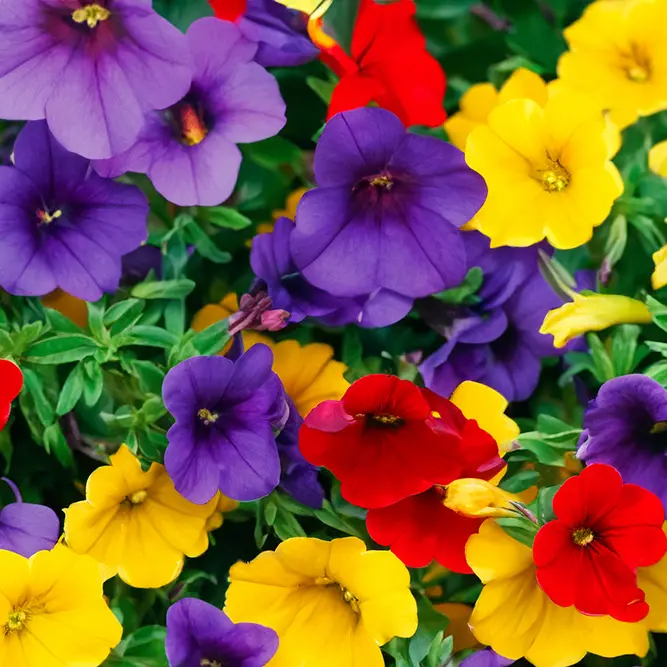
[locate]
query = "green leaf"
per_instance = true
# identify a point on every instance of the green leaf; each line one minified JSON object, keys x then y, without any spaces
{"x":149,"y":375}
{"x":149,"y":336}
{"x":272,"y":153}
{"x":658,"y":372}
{"x":286,"y":526}
{"x":616,"y":240}
{"x":71,"y":391}
{"x":123,"y":315}
{"x":229,"y":218}
{"x":519,"y":528}
{"x":323,"y":89}
{"x":443,"y":9}
{"x":34,"y":386}
{"x":212,"y":339}
{"x":165,"y":289}
{"x":462,"y":293}
{"x":205,"y":245}
{"x":658,"y":312}
{"x":545,"y":497}
{"x":59,"y":323}
{"x":55,"y":443}
{"x":93,"y":382}
{"x":61,"y":349}
{"x":624,"y":347}
{"x":544,"y":453}
{"x":431,"y":623}
{"x":96,"y":320}
{"x":182,"y":14}
{"x":603,"y":364}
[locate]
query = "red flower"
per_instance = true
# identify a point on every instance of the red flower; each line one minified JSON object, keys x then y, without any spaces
{"x":389,"y":65}
{"x":11,"y":383}
{"x":387,"y":440}
{"x":604,"y":530}
{"x":229,"y":10}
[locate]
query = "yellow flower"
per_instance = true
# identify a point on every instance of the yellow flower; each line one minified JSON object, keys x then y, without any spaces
{"x":331,"y":603}
{"x":618,"y":51}
{"x":592,"y":313}
{"x":659,"y":277}
{"x":225,"y":506}
{"x":309,"y":374}
{"x":53,"y":612}
{"x":136,"y":524}
{"x":481,"y":99}
{"x":547,"y":170}
{"x":657,"y":159}
{"x":70,"y":306}
{"x":517,"y":619}
{"x":459,"y":616}
{"x":315,"y":8}
{"x":293,"y":199}
{"x":486,"y":406}
{"x":479,"y":498}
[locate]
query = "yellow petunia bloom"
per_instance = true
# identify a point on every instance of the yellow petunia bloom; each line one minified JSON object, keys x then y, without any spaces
{"x":309,"y":373}
{"x":136,"y":524}
{"x":592,"y":313}
{"x":618,"y":51}
{"x":487,"y":407}
{"x":659,"y":277}
{"x":481,"y":99}
{"x":71,"y":307}
{"x":478,"y":498}
{"x":315,"y":8}
{"x":657,"y":159}
{"x":53,"y":611}
{"x":332,"y":603}
{"x":547,"y":170}
{"x":517,"y":619}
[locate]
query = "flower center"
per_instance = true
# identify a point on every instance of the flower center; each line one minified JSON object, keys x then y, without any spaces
{"x":348,"y":596}
{"x":384,"y":181}
{"x":207,"y":416}
{"x":637,"y":65}
{"x":138,"y":497}
{"x":209,"y":663}
{"x":555,"y":179}
{"x":46,"y":218}
{"x":659,"y":427}
{"x":91,"y":14}
{"x":193,"y":129}
{"x":16,"y":621}
{"x":582,"y":537}
{"x":386,"y":420}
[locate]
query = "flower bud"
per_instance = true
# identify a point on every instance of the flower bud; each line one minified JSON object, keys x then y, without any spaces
{"x":478,"y":498}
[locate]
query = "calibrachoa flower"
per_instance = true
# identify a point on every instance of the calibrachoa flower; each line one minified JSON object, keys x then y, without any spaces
{"x":189,"y":150}
{"x":388,"y":64}
{"x":129,"y":513}
{"x":223,"y":436}
{"x":617,"y":51}
{"x":61,"y":224}
{"x":281,"y":33}
{"x":200,"y":634}
{"x":626,"y":427}
{"x":517,"y":619}
{"x":548,"y":171}
{"x":603,"y":530}
{"x":331,"y":603}
{"x":73,"y":308}
{"x":53,"y":611}
{"x":362,"y":439}
{"x":26,"y":528}
{"x":11,"y":383}
{"x":657,"y":159}
{"x":659,"y":277}
{"x":594,"y":312}
{"x":486,"y":658}
{"x":417,"y":191}
{"x":92,"y":69}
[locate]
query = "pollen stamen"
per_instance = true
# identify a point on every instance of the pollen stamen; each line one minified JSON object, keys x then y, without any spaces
{"x":205,"y":662}
{"x":16,"y":621}
{"x":382,"y":181}
{"x":582,"y":537}
{"x":207,"y":416}
{"x":91,"y":14}
{"x":138,"y":497}
{"x":46,"y":218}
{"x":555,"y":179}
{"x":193,"y":128}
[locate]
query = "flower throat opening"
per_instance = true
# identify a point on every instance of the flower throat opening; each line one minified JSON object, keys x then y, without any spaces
{"x":192,"y":125}
{"x":205,"y":662}
{"x":91,"y":14}
{"x":385,"y":420}
{"x":554,"y":179}
{"x":582,"y":537}
{"x":16,"y":621}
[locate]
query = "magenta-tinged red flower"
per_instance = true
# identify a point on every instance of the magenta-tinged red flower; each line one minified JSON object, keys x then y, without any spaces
{"x":11,"y":383}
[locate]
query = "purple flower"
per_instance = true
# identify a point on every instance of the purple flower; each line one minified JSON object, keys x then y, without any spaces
{"x":223,"y":436}
{"x":200,"y":634}
{"x":496,"y":342}
{"x":298,"y":478}
{"x":256,"y":313}
{"x":486,"y":658}
{"x":91,"y":69}
{"x":272,"y":263}
{"x":387,"y":210}
{"x":189,"y":150}
{"x":140,"y":262}
{"x":25,"y":528}
{"x":281,"y":34}
{"x":61,"y":224}
{"x":625,"y":426}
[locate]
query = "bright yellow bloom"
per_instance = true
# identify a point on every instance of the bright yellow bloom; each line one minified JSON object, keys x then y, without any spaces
{"x":225,"y":506}
{"x":53,"y":612}
{"x":592,"y":313}
{"x":331,"y":603}
{"x":481,"y":99}
{"x":136,"y":524}
{"x":657,"y":159}
{"x":547,"y":170}
{"x":487,"y":407}
{"x":315,"y":8}
{"x":478,"y":498}
{"x":292,"y":201}
{"x":70,"y":306}
{"x":659,"y":277}
{"x":517,"y":619}
{"x":618,"y":51}
{"x":309,"y":374}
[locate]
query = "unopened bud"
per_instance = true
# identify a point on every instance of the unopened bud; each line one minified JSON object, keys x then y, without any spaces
{"x":478,"y":498}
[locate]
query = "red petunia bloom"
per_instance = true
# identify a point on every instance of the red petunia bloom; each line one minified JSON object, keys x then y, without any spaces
{"x":11,"y":383}
{"x":604,"y":530}
{"x":387,"y":439}
{"x":229,"y":10}
{"x":389,"y":65}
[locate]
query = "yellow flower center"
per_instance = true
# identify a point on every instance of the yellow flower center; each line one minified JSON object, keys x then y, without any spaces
{"x":382,"y":181}
{"x":659,"y":427}
{"x":193,"y":129}
{"x":138,"y":497}
{"x":636,"y":64}
{"x":16,"y":621}
{"x":638,"y":74}
{"x":554,"y":179}
{"x":46,"y":217}
{"x":209,"y":663}
{"x":91,"y":14}
{"x":347,"y":595}
{"x":387,"y":420}
{"x":207,"y":416}
{"x":582,"y":537}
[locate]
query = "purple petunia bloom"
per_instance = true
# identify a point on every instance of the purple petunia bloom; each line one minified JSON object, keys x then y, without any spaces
{"x":61,"y":224}
{"x":625,"y":426}
{"x":189,"y":150}
{"x":387,"y":209}
{"x":25,"y":528}
{"x":496,"y":342}
{"x":280,"y":33}
{"x":486,"y":658}
{"x":223,"y":437}
{"x":91,"y":69}
{"x":140,"y":262}
{"x":200,"y":634}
